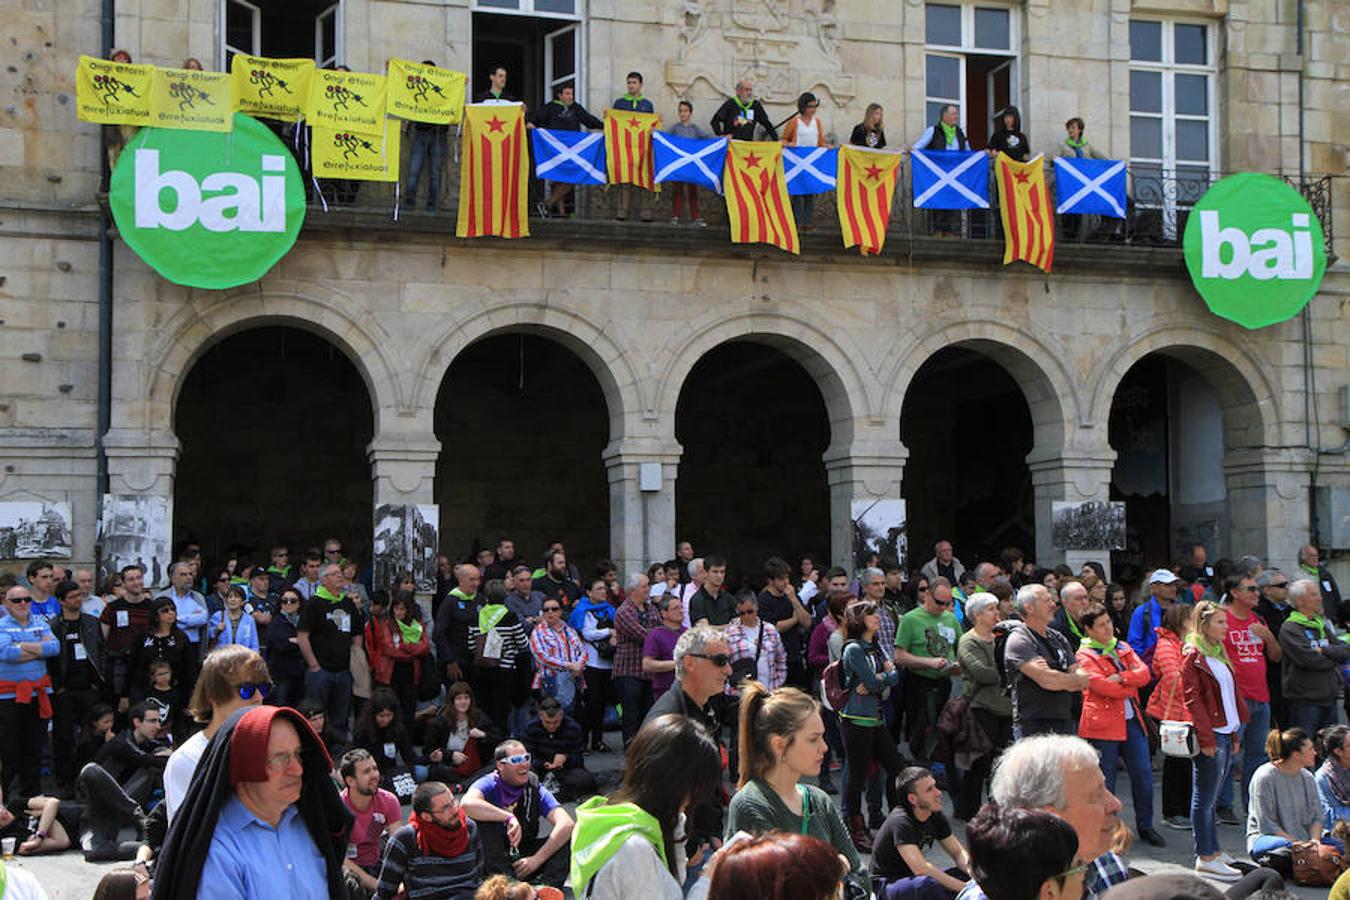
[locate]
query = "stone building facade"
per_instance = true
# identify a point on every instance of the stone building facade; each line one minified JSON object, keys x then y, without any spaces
{"x":1252,"y":419}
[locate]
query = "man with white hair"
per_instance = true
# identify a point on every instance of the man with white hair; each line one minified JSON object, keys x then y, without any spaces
{"x":1073,"y":602}
{"x":943,"y":564}
{"x":329,"y":627}
{"x":1310,"y":566}
{"x":1042,"y":668}
{"x":691,"y":587}
{"x":191,"y":605}
{"x":738,"y":116}
{"x":1312,"y":656}
{"x":1060,"y":774}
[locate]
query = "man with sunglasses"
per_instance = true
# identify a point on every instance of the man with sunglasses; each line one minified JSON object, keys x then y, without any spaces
{"x":1273,"y":608}
{"x":1250,"y":643}
{"x":925,"y":644}
{"x":508,"y":804}
{"x":26,"y":641}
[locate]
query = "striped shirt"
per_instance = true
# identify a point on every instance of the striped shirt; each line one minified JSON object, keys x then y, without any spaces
{"x":514,"y":642}
{"x":631,"y":623}
{"x":553,"y":650}
{"x":429,"y":876}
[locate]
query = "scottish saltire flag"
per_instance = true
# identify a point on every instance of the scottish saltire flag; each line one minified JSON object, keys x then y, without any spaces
{"x":1090,"y":186}
{"x":572,"y":157}
{"x":950,"y":179}
{"x":689,"y":160}
{"x":810,"y":170}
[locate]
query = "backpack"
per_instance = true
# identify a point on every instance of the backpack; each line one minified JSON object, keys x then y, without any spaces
{"x":1001,"y":632}
{"x":834,"y":687}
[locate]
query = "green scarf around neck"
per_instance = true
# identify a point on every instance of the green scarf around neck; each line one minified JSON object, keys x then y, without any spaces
{"x":1314,"y":571}
{"x":1213,"y":651}
{"x":489,"y":615}
{"x":1075,"y":143}
{"x":949,"y":131}
{"x":1073,"y":626}
{"x":328,"y":595}
{"x":411,"y":630}
{"x":631,"y":99}
{"x":1108,"y":648}
{"x":1316,"y":623}
{"x":601,"y":829}
{"x":743,"y":106}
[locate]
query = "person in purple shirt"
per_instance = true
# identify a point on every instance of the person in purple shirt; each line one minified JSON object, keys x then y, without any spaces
{"x":658,"y":650}
{"x":508,"y":805}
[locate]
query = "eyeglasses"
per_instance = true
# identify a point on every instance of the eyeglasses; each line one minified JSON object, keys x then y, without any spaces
{"x":1279,"y":584}
{"x":923,"y":589}
{"x":717,"y":659}
{"x":1069,"y":873}
{"x":280,"y":762}
{"x":552,"y":609}
{"x":248,"y":688}
{"x":18,"y":599}
{"x":516,"y":759}
{"x":944,"y":602}
{"x":1246,"y":589}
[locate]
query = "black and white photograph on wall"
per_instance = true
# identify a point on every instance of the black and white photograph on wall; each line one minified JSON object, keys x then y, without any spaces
{"x":404,"y":542}
{"x":34,"y":529}
{"x":878,"y":528}
{"x":1092,"y":525}
{"x":136,"y":529}
{"x":424,"y":569}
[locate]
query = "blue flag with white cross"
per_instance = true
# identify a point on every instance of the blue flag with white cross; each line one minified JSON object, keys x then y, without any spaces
{"x":950,"y":179}
{"x":571,"y":157}
{"x":1087,"y":186}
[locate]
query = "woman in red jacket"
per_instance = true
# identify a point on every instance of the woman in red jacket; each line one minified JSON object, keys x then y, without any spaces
{"x":403,"y":646}
{"x":1113,"y":717}
{"x":1167,"y":702}
{"x":1218,"y":713}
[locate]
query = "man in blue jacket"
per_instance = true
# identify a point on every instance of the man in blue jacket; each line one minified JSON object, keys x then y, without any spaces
{"x":25,"y":691}
{"x":1162,"y":585}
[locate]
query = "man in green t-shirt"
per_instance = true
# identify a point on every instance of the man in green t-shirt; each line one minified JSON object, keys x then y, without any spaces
{"x":925,"y":644}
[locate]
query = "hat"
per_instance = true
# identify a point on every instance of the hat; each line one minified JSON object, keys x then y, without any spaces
{"x":248,"y":742}
{"x":259,"y":572}
{"x":1162,"y":576}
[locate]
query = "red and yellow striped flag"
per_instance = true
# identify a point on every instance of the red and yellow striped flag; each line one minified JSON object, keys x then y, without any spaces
{"x":493,"y":173}
{"x":1027,"y":213}
{"x":628,"y":148}
{"x":864,"y":189}
{"x":757,"y":196}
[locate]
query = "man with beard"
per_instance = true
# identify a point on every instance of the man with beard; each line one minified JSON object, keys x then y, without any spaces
{"x":437,"y":854}
{"x":376,"y":811}
{"x":557,"y":579}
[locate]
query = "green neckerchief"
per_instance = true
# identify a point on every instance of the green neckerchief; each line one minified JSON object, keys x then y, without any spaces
{"x":949,"y":131}
{"x":1109,"y":648}
{"x":601,"y":829}
{"x":460,"y":595}
{"x":745,"y":107}
{"x":1073,"y":626}
{"x":562,"y":104}
{"x":489,"y":615}
{"x":328,"y":595}
{"x":284,"y":573}
{"x":1318,"y":624}
{"x":1311,"y":570}
{"x":411,"y":631}
{"x":633,"y":100}
{"x":1213,"y":651}
{"x":1075,"y":144}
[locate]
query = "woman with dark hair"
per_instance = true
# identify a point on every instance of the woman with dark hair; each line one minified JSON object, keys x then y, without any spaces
{"x":403,"y":650}
{"x":1024,"y":854}
{"x":458,"y":743}
{"x":1119,"y":606}
{"x":317,"y":715}
{"x":1167,"y":703}
{"x":1284,"y":806}
{"x":778,"y":866}
{"x":1333,"y":777}
{"x":124,"y":884}
{"x":782,"y":741}
{"x":804,"y":130}
{"x":819,"y":655}
{"x":632,"y":844}
{"x":868,"y":675}
{"x":233,"y":625}
{"x":869,"y":133}
{"x":165,"y":640}
{"x":1113,"y":718}
{"x":95,"y":730}
{"x":283,"y":650}
{"x":380,"y":731}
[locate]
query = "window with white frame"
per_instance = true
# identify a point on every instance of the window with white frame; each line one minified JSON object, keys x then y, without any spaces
{"x":971,"y":61}
{"x":568,"y":8}
{"x":1172,"y":84}
{"x":540,"y":43}
{"x":281,"y":28}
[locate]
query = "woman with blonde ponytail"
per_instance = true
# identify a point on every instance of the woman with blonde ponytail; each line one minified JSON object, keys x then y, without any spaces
{"x":782,"y":741}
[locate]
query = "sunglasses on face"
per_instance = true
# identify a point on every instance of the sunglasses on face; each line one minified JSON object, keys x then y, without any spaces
{"x":552,"y":609}
{"x":249,"y":688}
{"x":717,"y":659}
{"x":516,"y":759}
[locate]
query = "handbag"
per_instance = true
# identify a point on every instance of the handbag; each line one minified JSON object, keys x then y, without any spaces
{"x":1316,"y":864}
{"x":748,"y":667}
{"x":1177,"y":738}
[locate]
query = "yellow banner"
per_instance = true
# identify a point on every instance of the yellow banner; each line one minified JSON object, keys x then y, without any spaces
{"x":425,"y":93}
{"x":271,"y":88}
{"x":190,"y":99}
{"x":349,"y":100}
{"x":357,"y":155}
{"x":112,"y":93}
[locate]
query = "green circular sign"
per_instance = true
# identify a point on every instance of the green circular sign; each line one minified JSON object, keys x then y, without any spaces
{"x":1255,"y":250}
{"x":208,"y":209}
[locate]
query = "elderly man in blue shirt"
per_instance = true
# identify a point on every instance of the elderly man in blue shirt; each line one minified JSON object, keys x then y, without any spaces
{"x":26,"y":641}
{"x":263,"y":817}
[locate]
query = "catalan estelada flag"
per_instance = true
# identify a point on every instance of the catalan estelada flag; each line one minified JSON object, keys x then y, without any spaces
{"x":864,"y":188}
{"x":493,"y":172}
{"x":757,"y":198}
{"x":628,"y":148}
{"x":1027,"y":213}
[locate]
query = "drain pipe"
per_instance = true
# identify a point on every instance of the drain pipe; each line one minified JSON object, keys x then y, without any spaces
{"x":105,"y":305}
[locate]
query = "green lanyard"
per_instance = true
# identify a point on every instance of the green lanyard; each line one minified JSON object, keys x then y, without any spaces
{"x":806,"y":807}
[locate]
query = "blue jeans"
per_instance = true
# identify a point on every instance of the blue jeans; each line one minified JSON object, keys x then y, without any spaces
{"x":1310,"y":717}
{"x":1253,"y":736}
{"x":1265,"y":843}
{"x":1208,"y":773}
{"x":1137,"y":763}
{"x":428,"y":148}
{"x":334,"y":691}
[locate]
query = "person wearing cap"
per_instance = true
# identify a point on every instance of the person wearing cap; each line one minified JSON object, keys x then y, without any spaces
{"x":508,"y":805}
{"x":259,"y":600}
{"x":262,"y":818}
{"x":1163,"y":586}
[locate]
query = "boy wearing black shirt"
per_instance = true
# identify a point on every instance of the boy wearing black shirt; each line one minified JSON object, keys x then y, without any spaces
{"x":898,"y":863}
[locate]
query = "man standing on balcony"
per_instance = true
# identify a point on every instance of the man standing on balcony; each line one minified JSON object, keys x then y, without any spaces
{"x":738,"y":116}
{"x":496,"y":92}
{"x":633,"y":101}
{"x":944,"y":134}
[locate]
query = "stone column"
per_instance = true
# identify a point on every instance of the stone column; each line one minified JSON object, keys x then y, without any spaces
{"x":403,"y":468}
{"x":862,"y":472}
{"x":641,"y":522}
{"x":141,"y":470}
{"x":1268,"y":504}
{"x":1076,"y":475}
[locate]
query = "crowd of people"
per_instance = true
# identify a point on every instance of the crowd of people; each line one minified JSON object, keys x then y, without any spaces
{"x":261,"y":725}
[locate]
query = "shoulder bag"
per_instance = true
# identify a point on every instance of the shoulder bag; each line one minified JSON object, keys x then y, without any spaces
{"x":1177,"y":738}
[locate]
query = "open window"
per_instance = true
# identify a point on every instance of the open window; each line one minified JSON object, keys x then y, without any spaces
{"x":538,"y":41}
{"x":971,"y":61}
{"x":282,"y":28}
